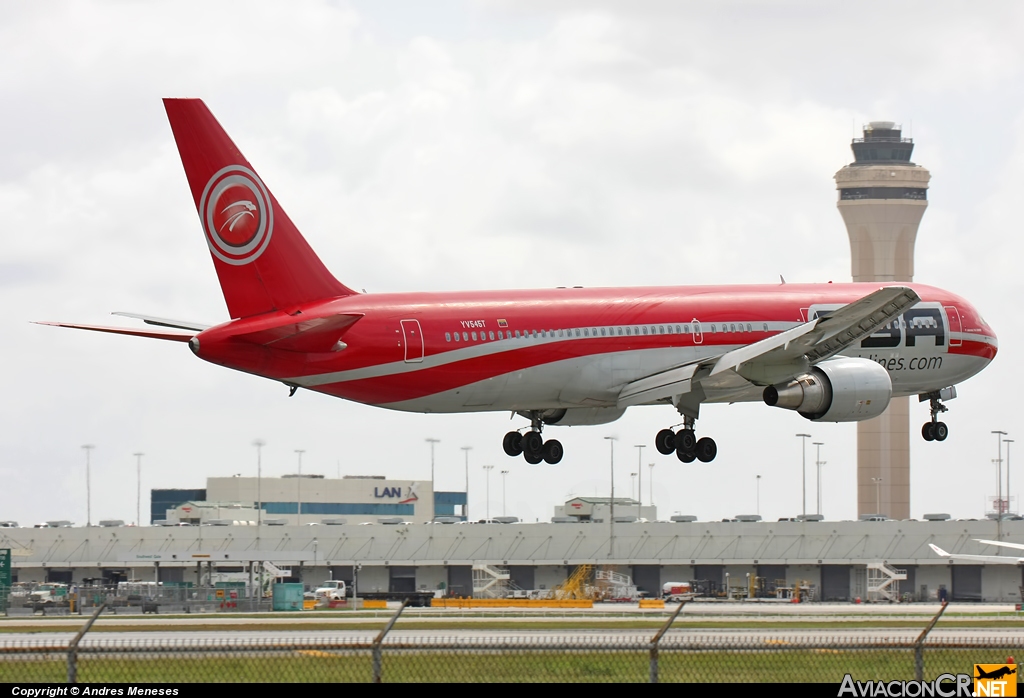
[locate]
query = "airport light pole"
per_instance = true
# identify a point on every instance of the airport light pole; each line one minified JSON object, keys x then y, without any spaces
{"x":758,"y":495}
{"x":138,"y":490}
{"x":433,"y":498}
{"x":611,"y":500}
{"x":819,"y":462}
{"x":632,"y":485}
{"x":639,"y":479}
{"x":999,"y":484}
{"x":88,"y":488}
{"x":298,"y":489}
{"x":487,"y":504}
{"x":259,"y":444}
{"x":465,"y":508}
{"x":650,"y":483}
{"x":503,"y":474}
{"x":1009,"y":499}
{"x":804,"y":469}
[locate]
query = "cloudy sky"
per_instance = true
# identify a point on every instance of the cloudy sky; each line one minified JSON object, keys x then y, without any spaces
{"x":468,"y":145}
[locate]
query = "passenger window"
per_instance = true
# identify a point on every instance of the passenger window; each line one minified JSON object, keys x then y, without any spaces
{"x":456,"y":336}
{"x":661,"y":329}
{"x":491,"y":335}
{"x":732,"y":327}
{"x":645,"y":329}
{"x":629,"y":332}
{"x":602,"y":332}
{"x":561,"y":333}
{"x":678,"y":330}
{"x":713,"y":327}
{"x":517,"y":334}
{"x":447,"y":336}
{"x":766,"y":327}
{"x":586,"y":332}
{"x":748,"y":328}
{"x":620,"y":331}
{"x":636,"y":331}
{"x":474,"y":336}
{"x":577,"y":332}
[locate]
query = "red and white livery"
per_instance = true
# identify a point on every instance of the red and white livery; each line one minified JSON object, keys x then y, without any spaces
{"x":566,"y":356}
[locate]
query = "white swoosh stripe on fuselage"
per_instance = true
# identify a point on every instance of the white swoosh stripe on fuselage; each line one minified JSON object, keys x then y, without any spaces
{"x":496,"y":346}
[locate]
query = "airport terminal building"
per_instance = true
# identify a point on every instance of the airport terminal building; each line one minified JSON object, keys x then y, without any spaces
{"x":306,"y":499}
{"x":831,"y":557}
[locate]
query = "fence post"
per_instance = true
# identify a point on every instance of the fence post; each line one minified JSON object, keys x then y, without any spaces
{"x":919,"y":645}
{"x":657,"y":638}
{"x":377,"y":650}
{"x":73,"y":645}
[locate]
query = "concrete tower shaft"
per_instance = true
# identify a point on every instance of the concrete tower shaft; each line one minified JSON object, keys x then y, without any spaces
{"x":882,"y":197}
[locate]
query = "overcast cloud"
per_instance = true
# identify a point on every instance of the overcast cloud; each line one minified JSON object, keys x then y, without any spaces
{"x":471,"y":145}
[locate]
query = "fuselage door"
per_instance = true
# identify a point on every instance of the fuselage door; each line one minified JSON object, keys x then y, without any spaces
{"x":698,"y":333}
{"x":955,"y":326}
{"x":412,"y":338}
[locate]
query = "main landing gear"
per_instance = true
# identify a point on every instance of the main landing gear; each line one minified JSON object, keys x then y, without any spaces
{"x":935,"y":430}
{"x":685,"y":444}
{"x":532,"y":445}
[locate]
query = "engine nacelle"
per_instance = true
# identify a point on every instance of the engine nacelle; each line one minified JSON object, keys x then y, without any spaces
{"x":837,"y":390}
{"x":579,"y":416}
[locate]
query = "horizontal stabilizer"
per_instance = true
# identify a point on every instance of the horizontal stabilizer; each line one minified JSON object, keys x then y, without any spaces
{"x":152,"y":334}
{"x":321,"y":334}
{"x":164,"y":322}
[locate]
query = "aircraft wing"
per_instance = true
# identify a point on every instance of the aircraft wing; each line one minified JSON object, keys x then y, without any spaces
{"x":780,"y":357}
{"x":998,"y":559}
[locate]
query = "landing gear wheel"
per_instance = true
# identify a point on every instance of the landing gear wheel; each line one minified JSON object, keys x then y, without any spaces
{"x":512,"y":443}
{"x":665,"y":442}
{"x":552,"y":452}
{"x":685,"y":441}
{"x":532,"y":443}
{"x":940,"y":431}
{"x":532,"y":459}
{"x":707,"y":449}
{"x":928,"y":431}
{"x":686,"y":456}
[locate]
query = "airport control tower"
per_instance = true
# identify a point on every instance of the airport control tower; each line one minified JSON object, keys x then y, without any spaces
{"x":882,"y":196}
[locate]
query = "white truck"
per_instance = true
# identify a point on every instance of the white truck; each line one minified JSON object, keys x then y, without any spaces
{"x":676,"y":591}
{"x":331,"y":590}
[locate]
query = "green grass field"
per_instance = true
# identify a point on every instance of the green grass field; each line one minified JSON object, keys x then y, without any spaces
{"x":771,"y":665}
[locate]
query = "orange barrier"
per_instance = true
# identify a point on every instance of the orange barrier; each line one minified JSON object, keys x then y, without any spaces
{"x":508,"y":603}
{"x":652,"y":603}
{"x":375,"y":604}
{"x":308,"y":604}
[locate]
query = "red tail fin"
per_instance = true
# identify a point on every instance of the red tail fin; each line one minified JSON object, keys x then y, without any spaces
{"x":262,"y":260}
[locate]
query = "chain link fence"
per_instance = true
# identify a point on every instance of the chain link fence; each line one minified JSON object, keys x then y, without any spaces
{"x":677,"y":657}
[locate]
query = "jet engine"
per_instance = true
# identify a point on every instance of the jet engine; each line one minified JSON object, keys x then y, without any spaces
{"x":579,"y":416}
{"x":837,"y":390}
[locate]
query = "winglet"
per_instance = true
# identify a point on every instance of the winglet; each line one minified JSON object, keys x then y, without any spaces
{"x":937,"y":550}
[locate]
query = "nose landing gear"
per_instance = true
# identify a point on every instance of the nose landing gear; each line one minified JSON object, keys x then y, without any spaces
{"x":935,"y":430}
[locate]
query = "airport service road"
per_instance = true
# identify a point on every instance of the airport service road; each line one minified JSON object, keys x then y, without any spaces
{"x":1011,"y":638}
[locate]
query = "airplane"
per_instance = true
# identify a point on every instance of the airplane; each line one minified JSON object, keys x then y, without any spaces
{"x":998,"y":559}
{"x":557,"y":357}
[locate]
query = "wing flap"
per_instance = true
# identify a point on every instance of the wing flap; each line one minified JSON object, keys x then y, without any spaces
{"x":661,"y":385}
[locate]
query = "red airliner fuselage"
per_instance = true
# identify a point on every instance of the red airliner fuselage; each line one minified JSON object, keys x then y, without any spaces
{"x":566,"y":356}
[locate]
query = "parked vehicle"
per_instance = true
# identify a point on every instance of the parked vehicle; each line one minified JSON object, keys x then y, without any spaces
{"x":677,"y":591}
